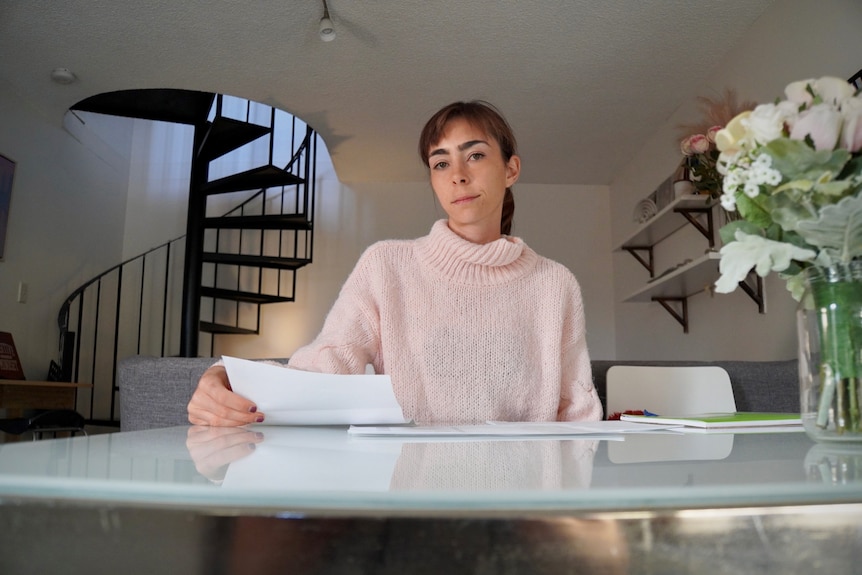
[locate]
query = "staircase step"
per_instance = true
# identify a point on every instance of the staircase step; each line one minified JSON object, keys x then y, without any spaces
{"x":226,"y":135}
{"x":273,"y":262}
{"x":243,"y":296}
{"x":210,"y":327}
{"x":268,"y":222}
{"x":164,"y":105}
{"x":255,"y":179}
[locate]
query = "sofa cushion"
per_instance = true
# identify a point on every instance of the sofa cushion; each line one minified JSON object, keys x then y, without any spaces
{"x":154,"y":392}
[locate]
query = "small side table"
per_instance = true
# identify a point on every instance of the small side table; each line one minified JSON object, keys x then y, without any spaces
{"x":18,"y":395}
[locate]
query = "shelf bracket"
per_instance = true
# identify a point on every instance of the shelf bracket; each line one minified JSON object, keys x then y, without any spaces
{"x":755,"y":292}
{"x":708,"y":232}
{"x":648,"y":262}
{"x":681,"y":317}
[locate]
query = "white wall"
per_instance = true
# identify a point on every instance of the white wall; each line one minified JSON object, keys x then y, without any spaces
{"x":158,"y":185}
{"x":66,"y":218}
{"x":571,"y":224}
{"x":793,"y":40}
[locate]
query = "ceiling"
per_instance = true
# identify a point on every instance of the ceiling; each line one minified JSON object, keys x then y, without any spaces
{"x":584,"y":83}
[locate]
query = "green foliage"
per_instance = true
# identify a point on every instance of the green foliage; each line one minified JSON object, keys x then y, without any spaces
{"x":728,"y":231}
{"x":797,"y":161}
{"x":753,"y":210}
{"x":837,"y":230}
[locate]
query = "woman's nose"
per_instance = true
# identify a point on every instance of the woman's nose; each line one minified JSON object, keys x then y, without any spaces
{"x":459,"y":174}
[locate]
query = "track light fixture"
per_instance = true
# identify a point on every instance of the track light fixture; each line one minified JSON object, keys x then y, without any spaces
{"x":327,"y":30}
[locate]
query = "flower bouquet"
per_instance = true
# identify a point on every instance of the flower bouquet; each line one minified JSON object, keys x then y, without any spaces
{"x":697,"y":141}
{"x":700,"y":156}
{"x":792,"y":169}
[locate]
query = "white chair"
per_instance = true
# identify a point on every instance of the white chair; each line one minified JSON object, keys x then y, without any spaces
{"x":669,"y":390}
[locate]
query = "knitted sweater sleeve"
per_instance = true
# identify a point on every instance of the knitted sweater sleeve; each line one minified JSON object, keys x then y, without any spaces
{"x":350,"y":338}
{"x":579,"y":400}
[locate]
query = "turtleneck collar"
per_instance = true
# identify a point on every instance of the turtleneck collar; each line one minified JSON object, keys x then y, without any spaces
{"x":464,"y":262}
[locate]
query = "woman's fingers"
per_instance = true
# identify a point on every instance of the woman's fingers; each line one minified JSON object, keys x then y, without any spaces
{"x":213,"y":403}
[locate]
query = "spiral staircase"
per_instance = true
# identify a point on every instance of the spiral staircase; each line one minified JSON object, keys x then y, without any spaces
{"x":176,"y":298}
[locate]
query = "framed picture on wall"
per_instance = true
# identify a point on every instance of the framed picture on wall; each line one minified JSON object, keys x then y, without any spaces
{"x":7,"y":171}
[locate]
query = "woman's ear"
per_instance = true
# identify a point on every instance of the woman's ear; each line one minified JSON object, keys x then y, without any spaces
{"x":513,"y":170}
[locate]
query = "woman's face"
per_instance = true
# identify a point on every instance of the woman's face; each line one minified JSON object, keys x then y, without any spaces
{"x":470,"y":177}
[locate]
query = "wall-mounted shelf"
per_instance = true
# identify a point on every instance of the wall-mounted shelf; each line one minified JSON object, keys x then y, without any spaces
{"x":666,"y":222}
{"x":686,"y":280}
{"x":693,"y":210}
{"x":673,"y":288}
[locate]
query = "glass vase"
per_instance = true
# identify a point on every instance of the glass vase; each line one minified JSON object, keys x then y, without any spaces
{"x":830,"y":352}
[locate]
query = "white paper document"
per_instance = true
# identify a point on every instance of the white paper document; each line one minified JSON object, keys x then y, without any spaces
{"x":293,"y":397}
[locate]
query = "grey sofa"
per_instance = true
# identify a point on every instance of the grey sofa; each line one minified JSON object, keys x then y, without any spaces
{"x":154,"y":391}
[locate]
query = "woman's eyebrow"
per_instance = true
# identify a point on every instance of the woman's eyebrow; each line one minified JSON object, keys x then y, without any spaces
{"x":461,"y":147}
{"x":470,"y":144}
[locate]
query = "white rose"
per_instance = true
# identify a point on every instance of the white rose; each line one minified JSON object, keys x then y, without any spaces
{"x":766,"y":122}
{"x":797,"y":92}
{"x":722,"y":162}
{"x":822,"y":122}
{"x":833,"y":90}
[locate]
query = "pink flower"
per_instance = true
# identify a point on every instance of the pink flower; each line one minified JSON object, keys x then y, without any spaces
{"x":699,"y":143}
{"x":822,"y":122}
{"x":851,"y":134}
{"x":710,"y":134}
{"x":685,"y":146}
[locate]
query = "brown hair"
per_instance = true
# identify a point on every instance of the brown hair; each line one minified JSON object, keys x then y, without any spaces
{"x":488,"y":119}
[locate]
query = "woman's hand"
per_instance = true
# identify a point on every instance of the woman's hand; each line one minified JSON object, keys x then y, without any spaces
{"x":213,"y":402}
{"x":213,"y":449}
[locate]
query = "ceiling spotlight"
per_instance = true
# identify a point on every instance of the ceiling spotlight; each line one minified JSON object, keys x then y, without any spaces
{"x":327,"y":30}
{"x":63,"y":76}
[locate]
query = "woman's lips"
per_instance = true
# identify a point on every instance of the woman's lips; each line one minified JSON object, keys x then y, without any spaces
{"x":464,"y":200}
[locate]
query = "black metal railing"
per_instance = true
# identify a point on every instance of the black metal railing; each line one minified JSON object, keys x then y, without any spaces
{"x":110,"y":316}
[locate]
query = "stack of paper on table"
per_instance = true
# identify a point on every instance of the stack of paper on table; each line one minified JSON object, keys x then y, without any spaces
{"x":730,"y":420}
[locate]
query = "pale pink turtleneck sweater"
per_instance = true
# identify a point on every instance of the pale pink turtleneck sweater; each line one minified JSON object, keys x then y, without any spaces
{"x":468,"y":332}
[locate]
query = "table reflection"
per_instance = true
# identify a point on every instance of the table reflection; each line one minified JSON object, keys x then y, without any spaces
{"x":324,"y":467}
{"x":834,"y":463}
{"x":329,"y":459}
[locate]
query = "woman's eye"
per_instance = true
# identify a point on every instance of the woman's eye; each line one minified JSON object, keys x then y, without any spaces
{"x":440,"y":165}
{"x":477,"y":156}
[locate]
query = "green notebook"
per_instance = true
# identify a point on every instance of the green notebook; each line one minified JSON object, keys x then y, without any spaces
{"x":712,"y":420}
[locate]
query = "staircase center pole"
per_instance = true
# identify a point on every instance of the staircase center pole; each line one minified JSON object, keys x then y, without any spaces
{"x":191,"y":314}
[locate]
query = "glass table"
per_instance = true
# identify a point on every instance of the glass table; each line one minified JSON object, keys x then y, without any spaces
{"x":316,"y":500}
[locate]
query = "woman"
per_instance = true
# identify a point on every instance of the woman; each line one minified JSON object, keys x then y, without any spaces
{"x":470,"y":323}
